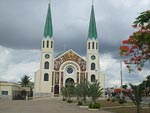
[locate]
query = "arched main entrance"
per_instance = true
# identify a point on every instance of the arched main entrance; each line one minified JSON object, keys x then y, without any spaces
{"x":69,"y":81}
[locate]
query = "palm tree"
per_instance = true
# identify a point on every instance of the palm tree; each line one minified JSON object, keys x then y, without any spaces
{"x":25,"y":81}
{"x":95,"y":91}
{"x":64,"y":93}
{"x":78,"y":92}
{"x":70,"y":90}
{"x":84,"y":90}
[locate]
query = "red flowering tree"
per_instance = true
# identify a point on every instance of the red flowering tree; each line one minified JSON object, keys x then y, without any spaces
{"x":137,"y":46}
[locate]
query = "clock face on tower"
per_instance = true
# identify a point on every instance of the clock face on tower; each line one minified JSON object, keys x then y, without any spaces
{"x":47,"y":56}
{"x":93,"y":57}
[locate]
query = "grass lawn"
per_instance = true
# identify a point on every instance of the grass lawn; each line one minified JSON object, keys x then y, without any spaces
{"x":128,"y":110}
{"x":105,"y":103}
{"x":121,"y":108}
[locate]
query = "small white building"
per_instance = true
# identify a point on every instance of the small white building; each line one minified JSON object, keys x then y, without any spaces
{"x":13,"y":91}
{"x":9,"y":90}
{"x":68,"y":66}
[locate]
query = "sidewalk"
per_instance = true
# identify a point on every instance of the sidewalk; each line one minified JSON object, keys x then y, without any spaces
{"x":43,"y":106}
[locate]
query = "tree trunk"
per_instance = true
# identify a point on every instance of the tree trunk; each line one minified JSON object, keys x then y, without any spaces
{"x":77,"y":99}
{"x":93,"y":100}
{"x":138,"y":108}
{"x":84,"y":101}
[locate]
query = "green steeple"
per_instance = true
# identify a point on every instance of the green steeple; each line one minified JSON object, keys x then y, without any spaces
{"x":48,"y":31}
{"x":92,"y":26}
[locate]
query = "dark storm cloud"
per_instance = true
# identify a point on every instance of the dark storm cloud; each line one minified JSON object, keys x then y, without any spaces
{"x":22,"y":23}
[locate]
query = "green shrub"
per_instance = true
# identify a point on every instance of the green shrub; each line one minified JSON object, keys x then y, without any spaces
{"x":108,"y":99}
{"x":94,"y":106}
{"x":114,"y":99}
{"x":69,"y":101}
{"x":63,"y":99}
{"x":148,"y":104}
{"x":121,"y":101}
{"x":79,"y":103}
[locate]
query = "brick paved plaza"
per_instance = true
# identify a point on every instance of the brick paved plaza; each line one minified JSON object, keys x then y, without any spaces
{"x":43,"y":106}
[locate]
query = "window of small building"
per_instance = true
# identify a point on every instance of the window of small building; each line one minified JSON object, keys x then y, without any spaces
{"x":4,"y":92}
{"x":46,"y":77}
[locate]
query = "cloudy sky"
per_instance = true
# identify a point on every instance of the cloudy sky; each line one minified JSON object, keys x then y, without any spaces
{"x":22,"y":25}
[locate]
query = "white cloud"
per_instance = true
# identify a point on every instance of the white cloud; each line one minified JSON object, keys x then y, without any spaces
{"x":112,"y":69}
{"x":16,"y":63}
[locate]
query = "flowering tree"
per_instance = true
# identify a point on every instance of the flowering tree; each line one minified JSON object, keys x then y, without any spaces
{"x":137,"y":46}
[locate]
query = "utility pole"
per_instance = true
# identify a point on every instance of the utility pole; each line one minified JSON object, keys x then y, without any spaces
{"x":121,"y":72}
{"x":121,"y":95}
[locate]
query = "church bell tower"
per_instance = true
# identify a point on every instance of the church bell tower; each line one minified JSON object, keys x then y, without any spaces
{"x":92,"y":50}
{"x":47,"y":55}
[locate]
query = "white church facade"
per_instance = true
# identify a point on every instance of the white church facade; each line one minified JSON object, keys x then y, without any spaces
{"x":68,"y":66}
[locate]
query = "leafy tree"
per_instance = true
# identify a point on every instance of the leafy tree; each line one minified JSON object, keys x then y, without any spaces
{"x":124,"y":86}
{"x":135,"y":95}
{"x":95,"y":91}
{"x":25,"y":81}
{"x":148,"y":81}
{"x":148,"y":78}
{"x":137,"y":46}
{"x":145,"y":85}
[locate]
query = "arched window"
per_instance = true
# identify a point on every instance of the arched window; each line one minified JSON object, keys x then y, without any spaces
{"x":89,"y":45}
{"x":51,"y":44}
{"x":46,"y":65}
{"x":92,"y":66}
{"x":46,"y":77}
{"x":92,"y":78}
{"x":96,"y":46}
{"x":47,"y":44}
{"x":92,"y":45}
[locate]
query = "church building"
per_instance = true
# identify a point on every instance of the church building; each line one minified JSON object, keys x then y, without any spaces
{"x":68,"y":66}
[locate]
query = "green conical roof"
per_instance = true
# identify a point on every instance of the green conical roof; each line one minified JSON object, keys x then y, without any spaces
{"x":92,"y":26}
{"x":48,"y":31}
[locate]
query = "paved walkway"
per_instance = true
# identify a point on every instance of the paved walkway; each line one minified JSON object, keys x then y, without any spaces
{"x":43,"y":106}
